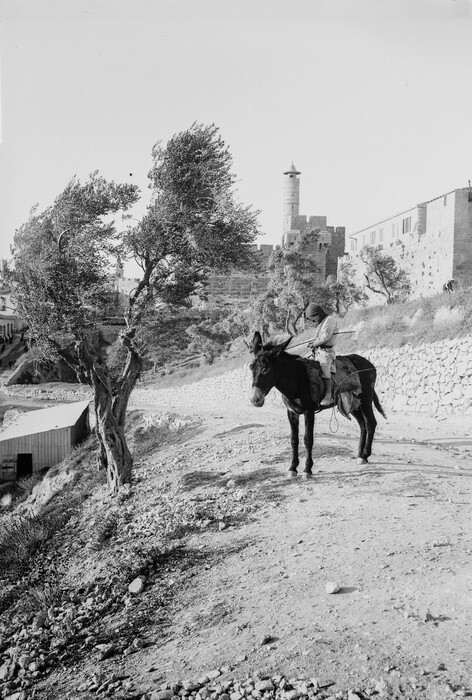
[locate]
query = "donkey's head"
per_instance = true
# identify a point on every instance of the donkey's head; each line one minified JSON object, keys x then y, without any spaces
{"x":263,"y":367}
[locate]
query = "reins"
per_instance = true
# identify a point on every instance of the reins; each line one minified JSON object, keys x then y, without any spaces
{"x":305,"y":342}
{"x":356,"y":371}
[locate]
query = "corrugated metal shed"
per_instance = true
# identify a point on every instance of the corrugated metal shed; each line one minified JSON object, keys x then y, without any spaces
{"x":42,"y":438}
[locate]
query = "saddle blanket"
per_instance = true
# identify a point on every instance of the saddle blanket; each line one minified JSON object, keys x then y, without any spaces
{"x":346,"y":384}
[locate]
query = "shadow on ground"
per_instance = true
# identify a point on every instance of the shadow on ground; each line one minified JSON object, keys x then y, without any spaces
{"x":265,"y":483}
{"x":239,"y":429}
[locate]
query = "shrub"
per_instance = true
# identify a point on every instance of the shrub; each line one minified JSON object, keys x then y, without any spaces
{"x":19,"y":540}
{"x":445,"y":316}
{"x":106,"y":529}
{"x":415,"y":322}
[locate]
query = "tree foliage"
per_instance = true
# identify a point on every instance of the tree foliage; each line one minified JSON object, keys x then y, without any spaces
{"x":219,"y":326}
{"x":383,"y":276}
{"x":292,"y":283}
{"x":341,"y":292}
{"x":193,"y":225}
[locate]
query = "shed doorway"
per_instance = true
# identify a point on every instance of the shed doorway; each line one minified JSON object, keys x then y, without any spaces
{"x":24,"y":465}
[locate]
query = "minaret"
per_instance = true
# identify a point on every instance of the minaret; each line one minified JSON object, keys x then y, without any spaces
{"x":119,"y":270}
{"x":291,"y":201}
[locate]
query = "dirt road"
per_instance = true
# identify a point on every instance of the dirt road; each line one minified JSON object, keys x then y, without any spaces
{"x":395,"y":536}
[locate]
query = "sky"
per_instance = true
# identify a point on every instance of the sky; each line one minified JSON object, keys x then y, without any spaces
{"x":370,"y":99}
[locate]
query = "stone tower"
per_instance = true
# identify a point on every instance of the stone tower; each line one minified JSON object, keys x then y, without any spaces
{"x":291,"y":197}
{"x":119,"y":270}
{"x":328,"y":242}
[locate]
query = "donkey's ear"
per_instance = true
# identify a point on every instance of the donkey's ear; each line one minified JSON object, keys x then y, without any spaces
{"x":275,"y":352}
{"x":256,"y":343}
{"x":287,"y":342}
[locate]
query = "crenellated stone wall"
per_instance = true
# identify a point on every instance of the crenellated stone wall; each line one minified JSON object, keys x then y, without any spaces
{"x":434,"y":378}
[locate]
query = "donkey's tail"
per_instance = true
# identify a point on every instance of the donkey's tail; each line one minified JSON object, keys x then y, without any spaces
{"x":378,"y":405}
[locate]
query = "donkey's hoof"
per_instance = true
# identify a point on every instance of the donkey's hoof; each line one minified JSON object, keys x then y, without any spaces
{"x":307,"y":475}
{"x":292,"y":475}
{"x":361,"y":460}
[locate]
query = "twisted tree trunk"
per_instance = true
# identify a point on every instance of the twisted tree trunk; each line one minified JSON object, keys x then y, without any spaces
{"x":111,"y":402}
{"x":111,"y":437}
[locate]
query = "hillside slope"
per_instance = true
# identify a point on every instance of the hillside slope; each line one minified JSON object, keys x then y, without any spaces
{"x":234,"y":560}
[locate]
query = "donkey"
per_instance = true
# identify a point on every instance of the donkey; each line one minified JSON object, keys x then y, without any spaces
{"x":274,"y":367}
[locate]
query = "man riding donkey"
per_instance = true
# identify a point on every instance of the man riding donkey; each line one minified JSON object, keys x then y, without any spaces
{"x":323,"y":346}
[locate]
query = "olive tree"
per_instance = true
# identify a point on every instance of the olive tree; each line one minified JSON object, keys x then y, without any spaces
{"x":383,"y":276}
{"x":341,"y":292}
{"x":193,"y":225}
{"x":292,"y":283}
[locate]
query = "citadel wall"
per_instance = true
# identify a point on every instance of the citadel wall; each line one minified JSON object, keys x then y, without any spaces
{"x":335,"y":249}
{"x":328,"y":246}
{"x":462,"y":254}
{"x":328,"y":241}
{"x":432,"y":242}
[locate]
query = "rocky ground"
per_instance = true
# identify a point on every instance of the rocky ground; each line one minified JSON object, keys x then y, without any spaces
{"x":215,"y":576}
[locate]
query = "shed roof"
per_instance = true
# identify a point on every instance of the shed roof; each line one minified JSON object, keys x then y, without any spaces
{"x":63,"y":415}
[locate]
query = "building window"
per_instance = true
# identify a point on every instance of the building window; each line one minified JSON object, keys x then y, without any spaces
{"x":372,"y":237}
{"x":381,"y":235}
{"x":445,"y":200}
{"x":406,"y":225}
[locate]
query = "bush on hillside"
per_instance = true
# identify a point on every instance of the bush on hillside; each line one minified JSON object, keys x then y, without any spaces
{"x":25,"y":533}
{"x":20,"y":539}
{"x":174,"y":338}
{"x":415,"y":322}
{"x":447,"y":316}
{"x":31,"y":371}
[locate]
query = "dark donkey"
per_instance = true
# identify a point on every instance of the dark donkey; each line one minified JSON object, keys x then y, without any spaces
{"x":274,"y":367}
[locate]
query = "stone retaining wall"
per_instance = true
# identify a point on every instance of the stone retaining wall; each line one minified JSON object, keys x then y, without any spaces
{"x":434,"y":378}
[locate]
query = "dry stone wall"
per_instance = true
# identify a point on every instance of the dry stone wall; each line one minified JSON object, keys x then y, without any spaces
{"x":434,"y":378}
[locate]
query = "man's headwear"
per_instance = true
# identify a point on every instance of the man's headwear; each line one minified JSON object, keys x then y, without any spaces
{"x":314,"y":310}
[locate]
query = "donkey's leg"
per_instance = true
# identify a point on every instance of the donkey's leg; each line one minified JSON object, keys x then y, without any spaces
{"x":371,"y":425}
{"x":294,"y":420}
{"x":359,"y":416}
{"x":308,"y":440}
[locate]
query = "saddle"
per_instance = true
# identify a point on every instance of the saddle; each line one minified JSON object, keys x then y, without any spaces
{"x":346,"y":384}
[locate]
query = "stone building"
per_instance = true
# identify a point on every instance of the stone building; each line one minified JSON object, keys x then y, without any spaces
{"x":432,"y":242}
{"x":122,"y":288}
{"x":10,"y":323}
{"x":328,"y":241}
{"x":241,"y":284}
{"x":328,"y":245}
